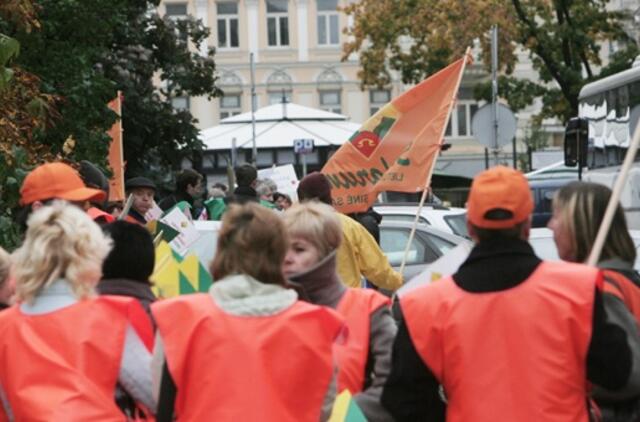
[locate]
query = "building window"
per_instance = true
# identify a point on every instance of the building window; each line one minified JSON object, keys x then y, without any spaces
{"x":328,"y":31}
{"x":331,"y":101}
{"x":230,"y":105}
{"x":276,"y":97}
{"x":227,"y":24}
{"x":176,"y":12}
{"x":180,"y":103}
{"x":377,"y":99}
{"x":459,"y":125}
{"x":277,"y":23}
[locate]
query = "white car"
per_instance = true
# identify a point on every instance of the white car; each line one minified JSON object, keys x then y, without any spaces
{"x":448,"y":219}
{"x":427,"y":245}
{"x":541,"y":239}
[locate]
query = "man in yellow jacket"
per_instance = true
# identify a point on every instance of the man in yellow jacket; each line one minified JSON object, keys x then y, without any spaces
{"x":358,"y":254}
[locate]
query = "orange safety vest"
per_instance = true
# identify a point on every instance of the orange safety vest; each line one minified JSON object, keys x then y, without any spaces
{"x":513,"y":355}
{"x":244,"y":368}
{"x":623,"y":288}
{"x":64,"y":365}
{"x":356,"y":306}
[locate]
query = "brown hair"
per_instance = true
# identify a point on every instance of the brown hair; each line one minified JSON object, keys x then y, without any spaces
{"x":252,"y":241}
{"x":581,"y":206}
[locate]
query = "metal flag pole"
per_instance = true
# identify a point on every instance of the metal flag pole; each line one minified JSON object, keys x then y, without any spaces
{"x":254,"y":152}
{"x":494,"y":88}
{"x":594,"y":255}
{"x":433,"y":165}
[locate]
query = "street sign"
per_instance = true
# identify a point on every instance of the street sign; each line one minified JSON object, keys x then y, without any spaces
{"x":303,"y":146}
{"x":482,"y":126}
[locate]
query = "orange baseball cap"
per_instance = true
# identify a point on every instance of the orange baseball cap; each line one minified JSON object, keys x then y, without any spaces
{"x":499,"y":188}
{"x":56,"y":181}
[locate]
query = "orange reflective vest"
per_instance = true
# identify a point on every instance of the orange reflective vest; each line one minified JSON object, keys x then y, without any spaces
{"x":243,"y":368}
{"x":513,"y":355}
{"x":64,"y":365}
{"x":356,"y":306}
{"x":623,"y":288}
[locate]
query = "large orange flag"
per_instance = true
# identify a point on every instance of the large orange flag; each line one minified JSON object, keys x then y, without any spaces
{"x":396,"y":149}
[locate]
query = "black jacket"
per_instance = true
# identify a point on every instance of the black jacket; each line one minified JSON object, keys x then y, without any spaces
{"x":412,"y":391}
{"x":242,"y":195}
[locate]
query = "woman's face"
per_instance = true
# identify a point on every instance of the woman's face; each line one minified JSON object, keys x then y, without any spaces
{"x":562,"y":236}
{"x":301,"y":256}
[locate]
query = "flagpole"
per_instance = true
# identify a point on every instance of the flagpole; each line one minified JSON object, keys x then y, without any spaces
{"x":254,"y":149}
{"x":433,"y":165}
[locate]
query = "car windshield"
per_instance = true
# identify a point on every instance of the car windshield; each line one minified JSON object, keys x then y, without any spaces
{"x":458,"y":224}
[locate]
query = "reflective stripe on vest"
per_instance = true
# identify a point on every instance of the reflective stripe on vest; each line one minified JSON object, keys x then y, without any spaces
{"x":623,"y":288}
{"x":356,"y":306}
{"x":64,"y":365}
{"x":513,"y":355}
{"x":244,"y":368}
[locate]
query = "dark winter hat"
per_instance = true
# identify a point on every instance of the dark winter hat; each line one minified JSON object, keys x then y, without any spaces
{"x":315,"y":186}
{"x":139,"y":182}
{"x":132,"y":256}
{"x":93,"y":177}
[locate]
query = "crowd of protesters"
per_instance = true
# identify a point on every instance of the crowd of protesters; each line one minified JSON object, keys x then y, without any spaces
{"x":287,"y":325}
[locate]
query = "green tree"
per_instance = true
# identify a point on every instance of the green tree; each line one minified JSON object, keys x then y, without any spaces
{"x":87,"y":50}
{"x":562,"y":38}
{"x":24,"y":110}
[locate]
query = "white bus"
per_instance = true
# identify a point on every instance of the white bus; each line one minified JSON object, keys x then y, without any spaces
{"x":611,"y":107}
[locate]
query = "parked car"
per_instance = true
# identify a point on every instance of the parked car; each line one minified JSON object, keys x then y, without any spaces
{"x":541,"y":239}
{"x":428,"y":244}
{"x":543,"y":191}
{"x":448,"y":219}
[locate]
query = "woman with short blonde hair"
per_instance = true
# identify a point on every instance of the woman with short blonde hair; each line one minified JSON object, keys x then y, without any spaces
{"x":60,"y":338}
{"x":61,"y":243}
{"x":364,"y":361}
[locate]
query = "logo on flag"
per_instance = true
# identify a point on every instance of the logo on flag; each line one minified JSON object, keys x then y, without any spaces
{"x":366,"y":142}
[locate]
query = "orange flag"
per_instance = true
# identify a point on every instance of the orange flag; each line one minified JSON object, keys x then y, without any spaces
{"x":396,"y":149}
{"x":116,"y":158}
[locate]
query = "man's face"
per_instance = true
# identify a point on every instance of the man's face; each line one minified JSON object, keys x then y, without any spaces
{"x":142,"y":199}
{"x":195,"y":191}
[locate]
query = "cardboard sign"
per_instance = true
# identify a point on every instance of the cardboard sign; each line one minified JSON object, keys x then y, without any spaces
{"x":177,"y":220}
{"x":284,"y":177}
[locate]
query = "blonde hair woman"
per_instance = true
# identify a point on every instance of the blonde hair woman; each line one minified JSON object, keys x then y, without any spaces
{"x":59,"y":339}
{"x":364,"y":361}
{"x":249,"y":349}
{"x":578,"y":210}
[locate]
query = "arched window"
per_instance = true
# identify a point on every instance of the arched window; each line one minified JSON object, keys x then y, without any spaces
{"x":330,"y":90}
{"x":279,"y":87}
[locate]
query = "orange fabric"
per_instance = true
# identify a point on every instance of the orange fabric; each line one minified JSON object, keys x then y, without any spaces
{"x":624,"y":289}
{"x":241,"y":368}
{"x":96,"y":213}
{"x":116,"y":157}
{"x":356,"y":306}
{"x":499,"y":188}
{"x":396,"y":148}
{"x":56,"y":181}
{"x":514,"y":355}
{"x":61,"y":366}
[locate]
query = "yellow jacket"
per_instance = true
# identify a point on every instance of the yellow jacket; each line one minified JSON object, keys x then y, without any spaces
{"x":359,"y":254}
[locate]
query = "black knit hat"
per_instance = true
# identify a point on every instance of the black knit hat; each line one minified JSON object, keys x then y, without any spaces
{"x":139,"y":182}
{"x":315,"y":186}
{"x":133,"y":254}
